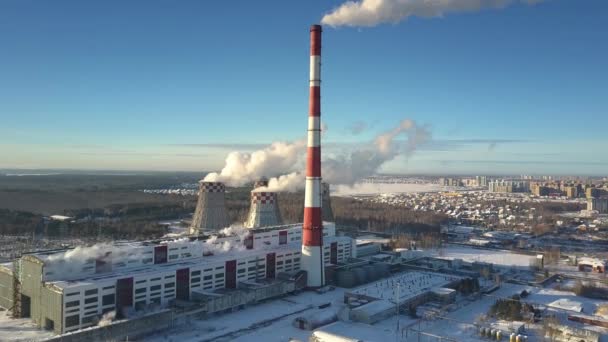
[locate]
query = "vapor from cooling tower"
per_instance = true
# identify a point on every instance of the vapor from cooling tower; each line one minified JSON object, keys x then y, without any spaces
{"x":367,"y":13}
{"x":284,"y":160}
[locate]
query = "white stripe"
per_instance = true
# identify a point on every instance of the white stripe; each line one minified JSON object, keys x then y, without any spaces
{"x":312,"y":263}
{"x":315,"y":68}
{"x":312,"y":194}
{"x":315,"y":83}
{"x":314,"y":139}
{"x":314,"y":122}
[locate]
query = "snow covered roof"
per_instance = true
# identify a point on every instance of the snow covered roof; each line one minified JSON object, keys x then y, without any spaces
{"x":375,"y":307}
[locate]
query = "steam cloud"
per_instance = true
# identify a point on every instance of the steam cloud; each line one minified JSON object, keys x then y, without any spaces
{"x":374,"y":12}
{"x":242,"y":168}
{"x":287,"y":159}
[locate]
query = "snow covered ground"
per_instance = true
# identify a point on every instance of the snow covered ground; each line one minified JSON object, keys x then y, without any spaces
{"x":458,"y":324}
{"x":368,"y":189}
{"x":270,"y":321}
{"x":20,"y":329}
{"x":496,"y":257}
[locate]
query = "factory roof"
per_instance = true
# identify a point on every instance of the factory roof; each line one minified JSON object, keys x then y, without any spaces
{"x":162,"y":268}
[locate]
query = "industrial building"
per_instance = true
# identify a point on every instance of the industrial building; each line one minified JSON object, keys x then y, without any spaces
{"x":70,"y":289}
{"x":67,"y":290}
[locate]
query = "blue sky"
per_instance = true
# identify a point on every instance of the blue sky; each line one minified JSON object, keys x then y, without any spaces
{"x":166,"y":85}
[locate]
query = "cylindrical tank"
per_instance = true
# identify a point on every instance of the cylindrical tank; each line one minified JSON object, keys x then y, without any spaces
{"x":512,"y":337}
{"x":383,"y":270}
{"x":482,"y":331}
{"x":346,"y":278}
{"x":489,"y":332}
{"x":525,"y":338}
{"x":518,"y":338}
{"x":369,"y":273}
{"x":498,"y":335}
{"x":360,"y":276}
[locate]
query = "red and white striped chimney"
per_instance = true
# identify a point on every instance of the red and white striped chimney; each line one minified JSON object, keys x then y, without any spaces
{"x":312,"y":242}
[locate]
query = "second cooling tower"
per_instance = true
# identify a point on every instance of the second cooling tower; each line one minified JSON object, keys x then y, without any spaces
{"x":264,"y":210}
{"x":210,"y":212}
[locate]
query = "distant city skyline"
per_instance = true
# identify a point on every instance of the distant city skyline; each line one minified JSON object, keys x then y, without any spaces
{"x":145,"y":85}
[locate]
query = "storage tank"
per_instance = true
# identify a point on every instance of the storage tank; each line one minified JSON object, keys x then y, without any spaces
{"x":369,"y":273}
{"x":512,"y":337}
{"x":382,"y":270}
{"x":346,"y":278}
{"x":360,"y":276}
{"x":498,"y":335}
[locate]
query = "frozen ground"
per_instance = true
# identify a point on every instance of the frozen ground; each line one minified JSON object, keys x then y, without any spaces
{"x":270,"y":321}
{"x":20,"y":329}
{"x":496,"y":257}
{"x":459,"y":323}
{"x":368,"y":189}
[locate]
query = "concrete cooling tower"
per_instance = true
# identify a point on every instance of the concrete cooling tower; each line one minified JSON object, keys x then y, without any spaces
{"x":262,"y":182}
{"x":210,"y":212}
{"x":326,"y":211}
{"x":264,"y":210}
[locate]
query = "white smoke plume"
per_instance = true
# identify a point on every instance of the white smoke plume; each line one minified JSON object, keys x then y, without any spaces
{"x":107,"y":318}
{"x":348,"y":169}
{"x":242,"y":168}
{"x":351,"y":167}
{"x":367,"y":13}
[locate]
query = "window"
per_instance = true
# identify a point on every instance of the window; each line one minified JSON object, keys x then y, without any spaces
{"x":195,"y":280}
{"x":140,"y":281}
{"x":173,"y":256}
{"x":155,"y":279}
{"x":71,"y":321}
{"x":196,"y":273}
{"x":168,"y":285}
{"x":90,"y":300}
{"x":72,"y":294}
{"x":242,"y":270}
{"x":219,"y":267}
{"x":90,"y":292}
{"x":208,"y":277}
{"x":108,"y":299}
{"x":155,"y":288}
{"x":72,"y":303}
{"x":142,"y":290}
{"x":170,"y":276}
{"x":219,"y":275}
{"x":109,"y":287}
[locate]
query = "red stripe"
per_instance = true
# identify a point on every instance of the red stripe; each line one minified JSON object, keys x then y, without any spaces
{"x":314,"y":101}
{"x":315,"y":40}
{"x":313,"y":162}
{"x":312,"y":227}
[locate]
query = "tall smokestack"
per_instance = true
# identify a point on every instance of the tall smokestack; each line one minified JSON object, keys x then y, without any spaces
{"x":210,"y":212}
{"x":312,"y":244}
{"x":264,"y":210}
{"x":328,"y":213}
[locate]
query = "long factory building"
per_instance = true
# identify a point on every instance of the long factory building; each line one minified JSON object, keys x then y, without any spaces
{"x":66,"y":291}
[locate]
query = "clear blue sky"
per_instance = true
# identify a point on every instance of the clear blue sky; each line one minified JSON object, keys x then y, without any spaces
{"x":172,"y":85}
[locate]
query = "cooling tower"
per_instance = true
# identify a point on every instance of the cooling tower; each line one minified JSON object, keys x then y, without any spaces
{"x":326,"y":211}
{"x":262,"y":182}
{"x":264,"y":210}
{"x":210,"y":212}
{"x":312,"y":227}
